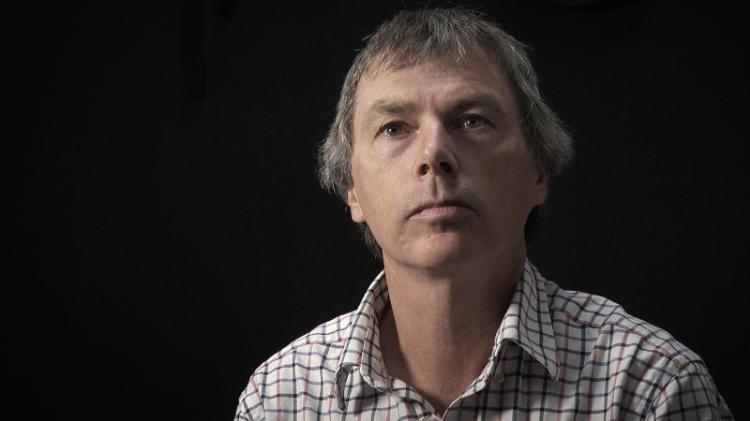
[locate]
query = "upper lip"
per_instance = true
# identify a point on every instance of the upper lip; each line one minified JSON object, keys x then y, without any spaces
{"x":439,"y":203}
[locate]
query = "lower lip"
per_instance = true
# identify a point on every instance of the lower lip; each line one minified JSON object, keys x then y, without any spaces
{"x":441,"y":212}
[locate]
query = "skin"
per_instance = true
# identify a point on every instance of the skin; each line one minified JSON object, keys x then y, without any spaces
{"x":433,"y":134}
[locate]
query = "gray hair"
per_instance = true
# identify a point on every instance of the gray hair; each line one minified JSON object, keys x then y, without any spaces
{"x":417,"y":36}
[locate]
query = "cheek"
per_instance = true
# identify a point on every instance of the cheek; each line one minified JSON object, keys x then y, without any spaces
{"x":376,"y":200}
{"x":508,"y":184}
{"x":502,"y":173}
{"x":380,"y":182}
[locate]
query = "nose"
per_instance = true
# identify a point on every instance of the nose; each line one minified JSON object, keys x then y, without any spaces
{"x":437,"y":154}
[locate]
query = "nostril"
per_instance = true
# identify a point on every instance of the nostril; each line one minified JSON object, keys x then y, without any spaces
{"x":442,"y":167}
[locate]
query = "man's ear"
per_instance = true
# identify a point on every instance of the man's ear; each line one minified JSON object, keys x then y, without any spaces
{"x":356,"y":211}
{"x":540,"y":185}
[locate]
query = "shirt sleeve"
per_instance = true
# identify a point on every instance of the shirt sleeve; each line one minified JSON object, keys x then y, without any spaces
{"x":690,"y":395}
{"x":250,"y":407}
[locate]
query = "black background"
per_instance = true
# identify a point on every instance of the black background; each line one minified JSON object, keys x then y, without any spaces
{"x":170,"y":235}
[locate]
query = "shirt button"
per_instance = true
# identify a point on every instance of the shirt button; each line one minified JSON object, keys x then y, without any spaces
{"x":498,"y":377}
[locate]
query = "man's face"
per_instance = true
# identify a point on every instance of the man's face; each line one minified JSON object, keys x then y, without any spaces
{"x":441,"y":171}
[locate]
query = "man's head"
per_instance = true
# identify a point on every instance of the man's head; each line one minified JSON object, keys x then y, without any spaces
{"x":450,"y":44}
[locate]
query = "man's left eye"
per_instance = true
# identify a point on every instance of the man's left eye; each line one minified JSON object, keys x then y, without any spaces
{"x":473,"y":122}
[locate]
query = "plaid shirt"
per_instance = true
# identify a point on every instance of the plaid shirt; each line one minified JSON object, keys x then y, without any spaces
{"x":558,"y":355}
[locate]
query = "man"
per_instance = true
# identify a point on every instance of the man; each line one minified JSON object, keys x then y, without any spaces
{"x":444,"y":150}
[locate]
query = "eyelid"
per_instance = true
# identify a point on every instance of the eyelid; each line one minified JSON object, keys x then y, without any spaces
{"x":464,"y":117}
{"x":382,"y":129}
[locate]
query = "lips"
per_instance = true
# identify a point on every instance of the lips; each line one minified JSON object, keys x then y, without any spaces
{"x":440,"y":204}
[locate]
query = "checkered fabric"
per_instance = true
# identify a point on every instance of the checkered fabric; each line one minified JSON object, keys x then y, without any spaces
{"x":558,"y":355}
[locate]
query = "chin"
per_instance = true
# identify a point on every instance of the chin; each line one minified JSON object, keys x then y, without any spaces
{"x":443,"y":249}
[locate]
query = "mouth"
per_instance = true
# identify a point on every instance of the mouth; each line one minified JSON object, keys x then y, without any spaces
{"x":440,"y":209}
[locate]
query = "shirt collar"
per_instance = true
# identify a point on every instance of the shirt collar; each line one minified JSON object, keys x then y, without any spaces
{"x":362,"y":347}
{"x":526,"y":323}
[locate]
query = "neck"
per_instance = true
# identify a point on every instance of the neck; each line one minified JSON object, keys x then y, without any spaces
{"x":438,"y":333}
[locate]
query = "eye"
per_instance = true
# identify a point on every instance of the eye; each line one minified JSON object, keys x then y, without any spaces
{"x":393,"y":129}
{"x":473,"y":122}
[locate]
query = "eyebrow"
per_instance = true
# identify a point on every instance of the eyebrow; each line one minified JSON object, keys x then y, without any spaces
{"x":390,"y":107}
{"x":484,"y":100}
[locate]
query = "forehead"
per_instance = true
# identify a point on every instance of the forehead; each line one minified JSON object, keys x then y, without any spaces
{"x":423,"y":75}
{"x":433,"y":82}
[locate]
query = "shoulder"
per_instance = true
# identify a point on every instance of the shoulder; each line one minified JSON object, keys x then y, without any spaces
{"x":597,"y":339}
{"x":608,"y":323}
{"x":317,"y":346}
{"x":331,"y":334}
{"x":309,"y":362}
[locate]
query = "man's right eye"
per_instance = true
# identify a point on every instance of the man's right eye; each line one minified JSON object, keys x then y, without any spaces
{"x":392,"y":129}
